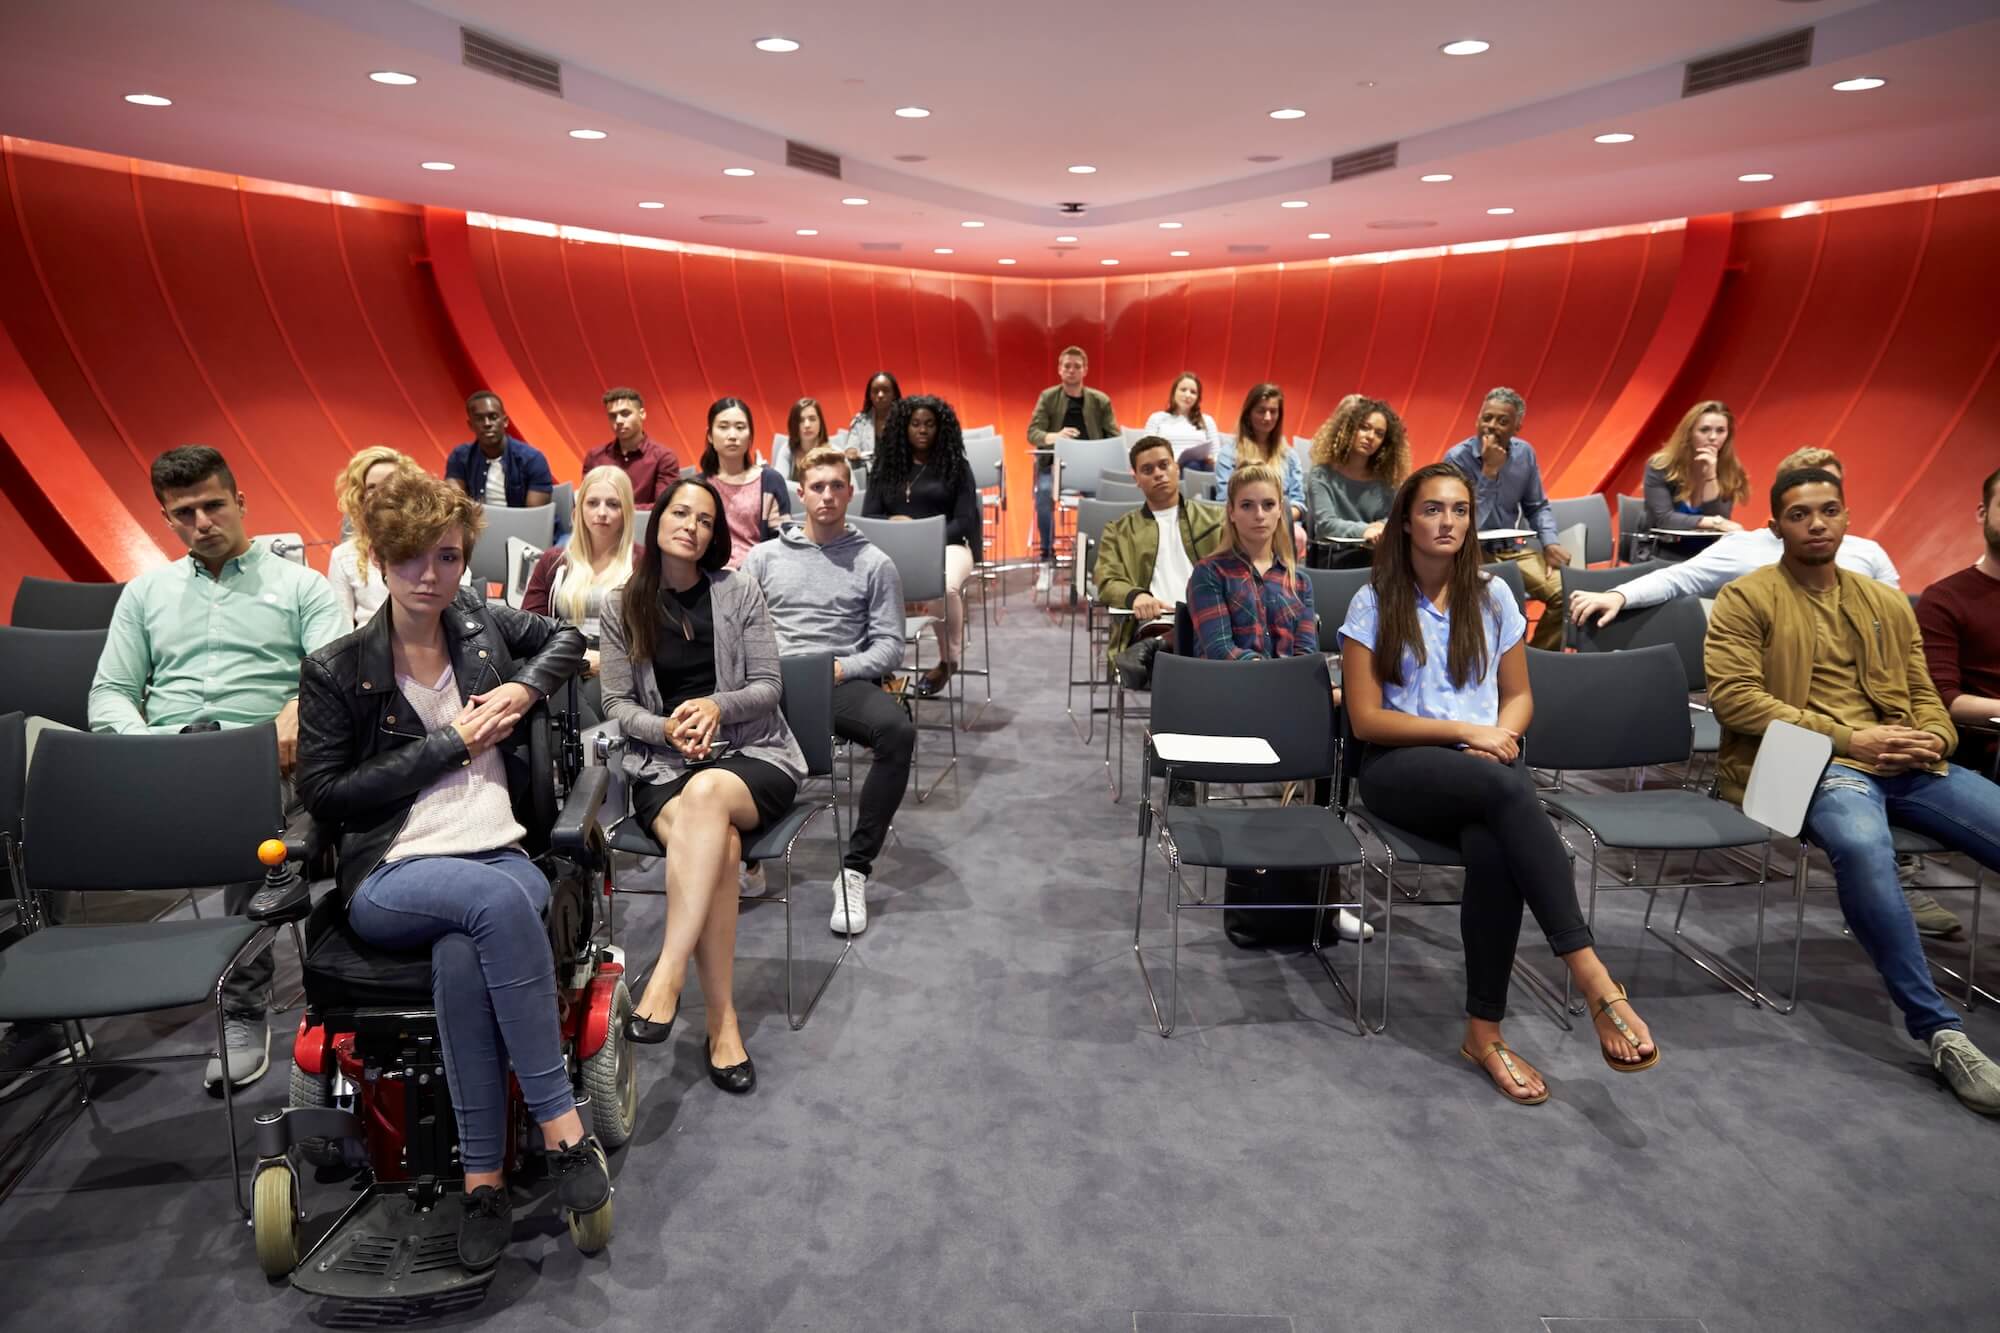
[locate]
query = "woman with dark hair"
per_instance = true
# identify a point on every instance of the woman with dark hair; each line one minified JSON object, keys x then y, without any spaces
{"x":690,"y":669}
{"x":920,"y":472}
{"x":878,"y":397}
{"x":1359,"y":458}
{"x":1695,"y":481}
{"x":1435,"y":674}
{"x":805,"y":431}
{"x":755,"y":498}
{"x":1184,"y":425}
{"x":1260,"y":438}
{"x":407,"y":745}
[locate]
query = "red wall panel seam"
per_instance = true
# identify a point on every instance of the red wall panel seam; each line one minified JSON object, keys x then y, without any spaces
{"x":1611,"y":346}
{"x":1228,"y":336}
{"x":1319,"y":341}
{"x":201,"y":371}
{"x":743,"y":332}
{"x":361,"y":308}
{"x":680,"y":276}
{"x":833,"y":317}
{"x":792,"y":345}
{"x":576,"y":311}
{"x":1555,"y":325}
{"x":1485,"y":339}
{"x":1798,"y":313}
{"x":1891,"y":326}
{"x":1913,"y":475}
{"x":284,"y":335}
{"x":1424,"y":343}
{"x":540,"y":389}
{"x":1374,"y":324}
{"x":645,"y":347}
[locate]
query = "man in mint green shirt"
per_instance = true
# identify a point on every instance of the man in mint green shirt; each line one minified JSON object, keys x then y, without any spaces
{"x":216,"y":637}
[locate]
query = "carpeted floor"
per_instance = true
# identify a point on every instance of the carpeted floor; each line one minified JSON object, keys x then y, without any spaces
{"x":980,"y":1129}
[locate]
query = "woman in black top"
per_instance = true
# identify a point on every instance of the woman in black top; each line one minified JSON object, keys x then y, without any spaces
{"x":920,"y":472}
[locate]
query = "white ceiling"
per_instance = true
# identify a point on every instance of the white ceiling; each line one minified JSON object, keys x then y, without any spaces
{"x":1166,"y":102}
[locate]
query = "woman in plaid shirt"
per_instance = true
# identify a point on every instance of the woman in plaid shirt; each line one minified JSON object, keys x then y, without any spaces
{"x":1250,"y":599}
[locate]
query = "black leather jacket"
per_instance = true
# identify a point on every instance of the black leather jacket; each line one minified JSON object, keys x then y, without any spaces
{"x":363,"y":754}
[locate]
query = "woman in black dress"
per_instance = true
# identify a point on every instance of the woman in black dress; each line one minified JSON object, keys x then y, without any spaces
{"x":920,"y":472}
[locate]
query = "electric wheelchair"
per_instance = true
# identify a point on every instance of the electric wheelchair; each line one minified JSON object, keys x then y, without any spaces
{"x":368,"y":1089}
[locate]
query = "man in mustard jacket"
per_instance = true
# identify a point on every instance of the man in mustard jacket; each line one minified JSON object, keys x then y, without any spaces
{"x":1145,"y":558}
{"x":1066,"y":410}
{"x":1807,"y":642}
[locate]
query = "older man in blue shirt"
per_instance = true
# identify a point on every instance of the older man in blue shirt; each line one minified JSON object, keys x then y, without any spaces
{"x":1507,"y":488}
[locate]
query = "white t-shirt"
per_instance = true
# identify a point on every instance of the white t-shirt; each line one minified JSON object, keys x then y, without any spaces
{"x":496,"y":484}
{"x":1172,"y":568}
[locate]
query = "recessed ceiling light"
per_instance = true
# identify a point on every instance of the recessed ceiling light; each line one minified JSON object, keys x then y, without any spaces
{"x":1499,"y":212}
{"x":1108,"y":263}
{"x":913,"y":112}
{"x":1365,"y":83}
{"x":1466,"y":46}
{"x":1435,"y":178}
{"x":969,"y":222}
{"x":438,"y":166}
{"x":776,"y":45}
{"x":738,"y":171}
{"x":1617,"y":136}
{"x":1170,"y":226}
{"x":148,"y":99}
{"x":806,"y":231}
{"x":854,"y":201}
{"x":1860,"y":85}
{"x":394,"y":78}
{"x":1293,"y":203}
{"x":587,"y":134}
{"x":1319,"y":235}
{"x":1006,"y":261}
{"x":1065,"y":240}
{"x":1178,"y":254}
{"x":943,"y":250}
{"x":1756,"y":177}
{"x":651,"y":203}
{"x":1288,"y":113}
{"x":1081,"y":170}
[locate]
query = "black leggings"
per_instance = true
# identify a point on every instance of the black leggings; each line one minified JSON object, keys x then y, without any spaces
{"x":1511,"y":851}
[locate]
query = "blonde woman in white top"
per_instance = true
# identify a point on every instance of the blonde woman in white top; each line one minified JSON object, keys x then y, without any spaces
{"x":358,"y":586}
{"x":571,"y":582}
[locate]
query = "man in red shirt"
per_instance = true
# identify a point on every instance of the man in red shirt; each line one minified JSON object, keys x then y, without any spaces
{"x":1960,"y":618}
{"x":651,"y":465}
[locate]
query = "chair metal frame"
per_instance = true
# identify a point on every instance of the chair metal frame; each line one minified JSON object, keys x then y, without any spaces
{"x":1093,"y":516}
{"x":921,"y":583}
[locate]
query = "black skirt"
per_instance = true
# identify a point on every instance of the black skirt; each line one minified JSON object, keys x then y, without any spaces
{"x":770,"y":790}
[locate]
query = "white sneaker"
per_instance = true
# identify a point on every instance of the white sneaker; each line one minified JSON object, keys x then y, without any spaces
{"x":850,"y":903}
{"x":750,"y":881}
{"x":1971,"y":1075}
{"x":1352,"y":927}
{"x":1042,"y":576}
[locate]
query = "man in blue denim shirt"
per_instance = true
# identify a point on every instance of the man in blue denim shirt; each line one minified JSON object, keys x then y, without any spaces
{"x":1507,"y":487}
{"x":522,"y":481}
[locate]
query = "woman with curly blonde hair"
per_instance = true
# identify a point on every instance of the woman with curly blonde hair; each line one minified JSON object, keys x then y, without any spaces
{"x":359,"y":588}
{"x":1695,"y":481}
{"x":1360,"y":456}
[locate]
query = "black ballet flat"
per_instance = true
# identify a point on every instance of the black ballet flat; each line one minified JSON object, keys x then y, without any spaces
{"x":737,"y":1079}
{"x":646,"y":1032}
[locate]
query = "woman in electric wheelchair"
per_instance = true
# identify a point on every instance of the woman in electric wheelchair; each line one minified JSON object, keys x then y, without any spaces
{"x":690,"y":668}
{"x":403,"y":746}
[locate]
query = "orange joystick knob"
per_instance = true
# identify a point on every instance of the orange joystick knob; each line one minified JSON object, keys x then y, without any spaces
{"x":271,"y":852}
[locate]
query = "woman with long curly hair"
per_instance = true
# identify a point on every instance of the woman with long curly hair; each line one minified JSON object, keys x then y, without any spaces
{"x":355,"y":582}
{"x":1695,"y":480}
{"x":920,"y":472}
{"x":1359,"y":455}
{"x":1435,"y":678}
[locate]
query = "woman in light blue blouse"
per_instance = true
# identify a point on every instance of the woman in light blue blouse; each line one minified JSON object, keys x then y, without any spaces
{"x":1435,"y":674}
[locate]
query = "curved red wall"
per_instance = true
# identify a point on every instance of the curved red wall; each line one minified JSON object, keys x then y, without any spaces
{"x":153,"y":306}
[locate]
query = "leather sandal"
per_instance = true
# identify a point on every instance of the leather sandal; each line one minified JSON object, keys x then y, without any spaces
{"x":1604,"y":1010}
{"x":1513,"y":1072}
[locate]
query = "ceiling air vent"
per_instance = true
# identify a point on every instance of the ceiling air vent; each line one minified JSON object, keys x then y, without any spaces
{"x":881,"y":245}
{"x":1244,"y":248}
{"x":816,"y":160}
{"x":1364,"y":161}
{"x":1759,"y":60}
{"x":514,"y":63}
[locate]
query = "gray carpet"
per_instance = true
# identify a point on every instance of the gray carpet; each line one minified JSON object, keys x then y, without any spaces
{"x":980,"y":1129}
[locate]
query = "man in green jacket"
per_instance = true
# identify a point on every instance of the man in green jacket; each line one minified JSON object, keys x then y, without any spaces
{"x":1066,"y":410}
{"x":1807,"y":642}
{"x":1145,"y":558}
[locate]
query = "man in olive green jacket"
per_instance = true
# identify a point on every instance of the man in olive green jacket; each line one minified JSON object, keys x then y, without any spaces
{"x":1806,"y":642}
{"x":1131,"y":572}
{"x":1066,"y":410}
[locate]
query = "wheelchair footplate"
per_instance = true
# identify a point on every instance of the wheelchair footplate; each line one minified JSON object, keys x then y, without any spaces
{"x":386,"y":1256}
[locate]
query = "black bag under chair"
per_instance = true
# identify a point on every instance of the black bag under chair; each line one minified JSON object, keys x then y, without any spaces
{"x":1272,"y":928}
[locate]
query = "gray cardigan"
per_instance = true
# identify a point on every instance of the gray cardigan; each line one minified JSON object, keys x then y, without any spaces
{"x":1339,"y":507}
{"x":748,"y":686}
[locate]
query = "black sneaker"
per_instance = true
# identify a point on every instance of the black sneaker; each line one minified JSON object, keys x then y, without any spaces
{"x":485,"y":1229}
{"x":582,"y":1176}
{"x":31,"y":1046}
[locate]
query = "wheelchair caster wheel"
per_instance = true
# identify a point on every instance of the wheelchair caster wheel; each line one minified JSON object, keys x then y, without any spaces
{"x":591,"y":1231}
{"x":274,"y":1219}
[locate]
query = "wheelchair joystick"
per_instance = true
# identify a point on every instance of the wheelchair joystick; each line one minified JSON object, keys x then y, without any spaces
{"x":285,"y":896}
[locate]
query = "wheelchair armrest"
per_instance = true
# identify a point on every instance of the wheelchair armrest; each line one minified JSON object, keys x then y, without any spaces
{"x":573,"y":827}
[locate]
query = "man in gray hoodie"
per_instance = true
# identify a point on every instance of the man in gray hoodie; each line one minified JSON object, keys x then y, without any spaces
{"x":830,"y":590}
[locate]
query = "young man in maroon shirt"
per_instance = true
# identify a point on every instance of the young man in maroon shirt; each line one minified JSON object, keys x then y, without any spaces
{"x":1960,"y":618}
{"x":651,"y":465}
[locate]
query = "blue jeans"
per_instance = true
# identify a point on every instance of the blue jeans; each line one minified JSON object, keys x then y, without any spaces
{"x":1045,"y":511}
{"x":1849,"y":819}
{"x":492,"y":978}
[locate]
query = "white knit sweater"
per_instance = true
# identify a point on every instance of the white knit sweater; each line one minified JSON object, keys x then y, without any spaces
{"x":468,"y":809}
